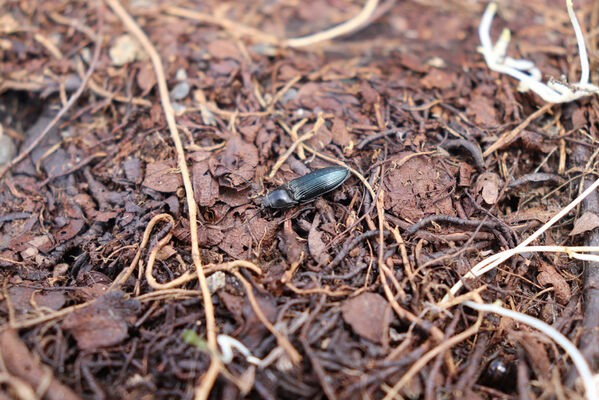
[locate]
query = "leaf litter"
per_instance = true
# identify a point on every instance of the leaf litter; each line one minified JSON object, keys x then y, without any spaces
{"x":389,"y":95}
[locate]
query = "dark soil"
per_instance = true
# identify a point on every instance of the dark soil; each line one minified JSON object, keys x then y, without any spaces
{"x":337,"y":296}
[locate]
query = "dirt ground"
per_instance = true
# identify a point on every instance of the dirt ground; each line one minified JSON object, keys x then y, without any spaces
{"x":133,"y":246}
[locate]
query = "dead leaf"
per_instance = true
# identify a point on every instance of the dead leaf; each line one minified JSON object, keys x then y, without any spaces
{"x":289,"y":243}
{"x":369,"y":95}
{"x":132,"y":169}
{"x":20,"y":362}
{"x":103,"y":323}
{"x":105,"y":216}
{"x":26,"y":299}
{"x":321,"y":138}
{"x":439,"y":79}
{"x":465,"y":177}
{"x":254,"y":331}
{"x":146,"y":78}
{"x":205,"y":189}
{"x":482,"y":109}
{"x":366,"y":315}
{"x":237,"y":163}
{"x":224,"y":49}
{"x":537,"y":352}
{"x":340,"y":134}
{"x":242,"y":236}
{"x":234,"y":198}
{"x":233,"y":304}
{"x":487,"y":185}
{"x":72,"y":228}
{"x":418,"y":187}
{"x":162,"y":176}
{"x":413,"y":62}
{"x":549,"y":276}
{"x":542,"y":214}
{"x":43,"y":243}
{"x":579,"y":119}
{"x":317,"y":248}
{"x":586,"y":222}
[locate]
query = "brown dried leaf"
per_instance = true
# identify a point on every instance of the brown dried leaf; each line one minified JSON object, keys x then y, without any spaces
{"x":418,"y":188}
{"x":132,"y":169}
{"x":233,"y":304}
{"x":205,"y":190}
{"x":208,"y":237}
{"x":69,"y":231}
{"x":254,"y":331}
{"x":105,"y":216}
{"x":224,"y":49}
{"x":242,"y":236}
{"x":321,"y":139}
{"x":465,"y":177}
{"x":104,"y":323}
{"x":340,"y":134}
{"x":413,"y":62}
{"x":482,"y":109}
{"x":536,"y":351}
{"x":579,"y":119}
{"x":234,"y":198}
{"x":369,"y":95}
{"x":146,"y":78}
{"x":43,"y":243}
{"x":162,"y":176}
{"x":549,"y":276}
{"x":24,"y":298}
{"x":439,"y":79}
{"x":315,"y":244}
{"x":20,"y":362}
{"x":289,"y":243}
{"x":366,"y":315}
{"x":487,"y":185}
{"x":542,"y":214}
{"x":237,"y":163}
{"x":586,"y":222}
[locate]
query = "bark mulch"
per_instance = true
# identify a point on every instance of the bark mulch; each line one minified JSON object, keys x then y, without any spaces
{"x":131,"y":255}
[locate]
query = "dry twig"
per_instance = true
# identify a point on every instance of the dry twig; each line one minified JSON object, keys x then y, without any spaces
{"x":207,"y":383}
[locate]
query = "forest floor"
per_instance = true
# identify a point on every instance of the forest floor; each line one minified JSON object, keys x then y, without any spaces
{"x":133,"y":244}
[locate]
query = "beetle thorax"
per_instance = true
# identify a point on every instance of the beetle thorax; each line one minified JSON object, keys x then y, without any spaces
{"x":278,"y":199}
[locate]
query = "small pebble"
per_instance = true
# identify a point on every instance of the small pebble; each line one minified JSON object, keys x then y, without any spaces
{"x":289,"y":95}
{"x":299,"y":113}
{"x":181,"y":74}
{"x":86,"y":54}
{"x":436,"y":62}
{"x":123,"y":50}
{"x":180,"y":91}
{"x":8,"y":150}
{"x":216,"y":281}
{"x":178,"y":108}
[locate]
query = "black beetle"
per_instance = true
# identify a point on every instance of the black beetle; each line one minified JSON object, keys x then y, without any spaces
{"x":306,"y":188}
{"x":499,"y":374}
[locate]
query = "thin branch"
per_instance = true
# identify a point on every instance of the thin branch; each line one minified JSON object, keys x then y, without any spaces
{"x":203,"y":390}
{"x":486,"y":264}
{"x":577,"y":358}
{"x":348,"y":26}
{"x":525,"y":70}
